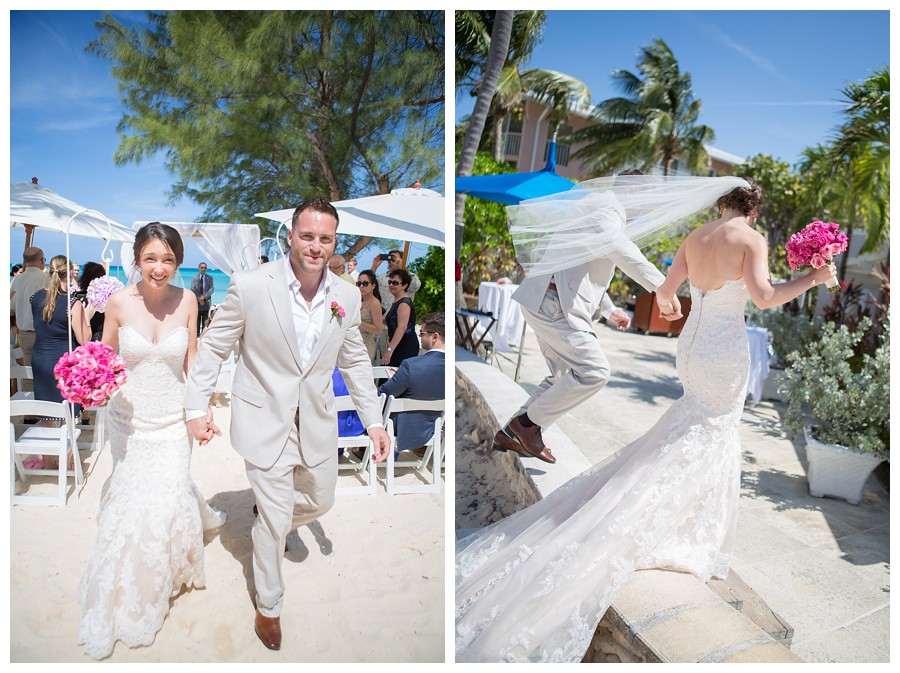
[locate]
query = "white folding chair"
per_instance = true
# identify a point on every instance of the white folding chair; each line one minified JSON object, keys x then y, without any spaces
{"x":382,"y":372}
{"x":432,"y":448}
{"x":21,"y":373}
{"x":43,"y":441}
{"x":345,"y":403}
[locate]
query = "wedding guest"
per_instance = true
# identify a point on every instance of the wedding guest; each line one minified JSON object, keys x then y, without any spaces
{"x":50,"y":312}
{"x":21,"y":290}
{"x":338,"y":267}
{"x":16,"y":270}
{"x":419,"y":378}
{"x":202,"y":286}
{"x":91,"y":271}
{"x":401,"y":321}
{"x":351,"y":269}
{"x":394,"y":260}
{"x":371,"y":322}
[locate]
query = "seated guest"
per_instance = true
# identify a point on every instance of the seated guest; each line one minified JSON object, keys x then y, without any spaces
{"x":420,"y":378}
{"x":338,"y":267}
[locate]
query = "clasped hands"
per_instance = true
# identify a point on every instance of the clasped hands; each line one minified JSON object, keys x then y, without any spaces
{"x":669,"y":309}
{"x":203,"y":429}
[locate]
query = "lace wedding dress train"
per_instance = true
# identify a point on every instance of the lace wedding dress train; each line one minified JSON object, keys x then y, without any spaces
{"x":534,"y":586}
{"x":152,"y":515}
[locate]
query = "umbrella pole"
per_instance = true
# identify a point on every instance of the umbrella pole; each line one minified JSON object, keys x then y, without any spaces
{"x":521,"y":346}
{"x":29,"y":230}
{"x":405,"y":253}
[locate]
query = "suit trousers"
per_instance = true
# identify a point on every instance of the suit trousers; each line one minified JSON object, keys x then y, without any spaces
{"x":578,"y":366}
{"x":288,"y":495}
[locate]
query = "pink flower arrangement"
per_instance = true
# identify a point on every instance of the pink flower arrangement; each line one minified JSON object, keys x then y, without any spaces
{"x":101,"y":289}
{"x":816,"y":245}
{"x":90,"y":374}
{"x":337,"y":311}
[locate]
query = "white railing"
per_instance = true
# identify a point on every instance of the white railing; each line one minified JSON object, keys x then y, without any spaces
{"x":512,"y":143}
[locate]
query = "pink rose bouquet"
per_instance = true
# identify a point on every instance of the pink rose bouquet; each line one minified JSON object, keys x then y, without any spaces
{"x":101,"y":289}
{"x":90,"y":374}
{"x":816,"y":245}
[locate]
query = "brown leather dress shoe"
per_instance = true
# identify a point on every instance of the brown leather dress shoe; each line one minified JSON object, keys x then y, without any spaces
{"x":269,"y":630}
{"x":530,"y":440}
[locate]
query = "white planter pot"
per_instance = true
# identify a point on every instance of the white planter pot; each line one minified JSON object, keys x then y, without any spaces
{"x":836,"y":470}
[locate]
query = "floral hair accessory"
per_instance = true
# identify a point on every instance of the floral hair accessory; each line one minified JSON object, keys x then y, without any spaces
{"x":101,"y":289}
{"x":90,"y":374}
{"x":337,"y":311}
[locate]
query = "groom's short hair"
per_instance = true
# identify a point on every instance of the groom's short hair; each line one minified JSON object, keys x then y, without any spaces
{"x":318,"y":204}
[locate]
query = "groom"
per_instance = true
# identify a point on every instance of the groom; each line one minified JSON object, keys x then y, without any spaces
{"x":293,"y":320}
{"x":560,"y":308}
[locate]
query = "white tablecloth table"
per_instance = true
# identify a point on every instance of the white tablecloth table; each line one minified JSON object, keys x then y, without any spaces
{"x":758,"y":338}
{"x":497,"y":298}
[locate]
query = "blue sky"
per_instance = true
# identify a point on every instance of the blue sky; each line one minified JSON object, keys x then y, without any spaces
{"x":769,"y":81}
{"x":64,"y":108}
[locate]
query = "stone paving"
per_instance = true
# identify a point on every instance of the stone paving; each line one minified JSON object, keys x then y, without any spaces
{"x":823,"y":565}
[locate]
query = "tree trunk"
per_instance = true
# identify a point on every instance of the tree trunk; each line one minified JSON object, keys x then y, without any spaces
{"x":497,"y":146}
{"x":496,"y":58}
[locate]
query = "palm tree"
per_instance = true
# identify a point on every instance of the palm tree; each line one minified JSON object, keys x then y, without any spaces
{"x":864,"y":142}
{"x":654,"y":122}
{"x":499,"y":46}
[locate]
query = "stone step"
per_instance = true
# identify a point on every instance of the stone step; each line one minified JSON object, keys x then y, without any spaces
{"x":741,"y":596}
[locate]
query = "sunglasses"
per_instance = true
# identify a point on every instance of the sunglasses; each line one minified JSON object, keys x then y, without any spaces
{"x":393,"y":282}
{"x":421,"y":334}
{"x":363,"y":283}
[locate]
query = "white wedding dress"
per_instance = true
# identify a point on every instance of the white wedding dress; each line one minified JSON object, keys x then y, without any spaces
{"x":152,"y":515}
{"x":534,"y":586}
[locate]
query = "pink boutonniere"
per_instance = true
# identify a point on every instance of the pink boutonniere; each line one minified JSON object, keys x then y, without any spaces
{"x":337,"y":311}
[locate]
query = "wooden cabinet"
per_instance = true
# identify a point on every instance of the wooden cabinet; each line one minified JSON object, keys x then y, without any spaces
{"x":646,"y":316}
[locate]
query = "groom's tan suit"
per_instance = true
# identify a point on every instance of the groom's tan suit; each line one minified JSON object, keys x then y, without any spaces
{"x":282,"y":416}
{"x":559,"y":308}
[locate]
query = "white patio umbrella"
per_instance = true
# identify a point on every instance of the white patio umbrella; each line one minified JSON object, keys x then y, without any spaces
{"x":31,"y":206}
{"x":412,"y":215}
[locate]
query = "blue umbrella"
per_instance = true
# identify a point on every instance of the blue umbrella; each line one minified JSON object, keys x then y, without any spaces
{"x":510,"y":188}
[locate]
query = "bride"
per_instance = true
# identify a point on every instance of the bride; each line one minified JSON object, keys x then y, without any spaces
{"x":150,"y":530}
{"x":534,"y":586}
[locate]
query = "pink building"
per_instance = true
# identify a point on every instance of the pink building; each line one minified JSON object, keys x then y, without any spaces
{"x":526,"y":141}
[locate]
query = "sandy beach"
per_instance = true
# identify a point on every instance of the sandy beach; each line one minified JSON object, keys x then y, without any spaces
{"x":365,"y":583}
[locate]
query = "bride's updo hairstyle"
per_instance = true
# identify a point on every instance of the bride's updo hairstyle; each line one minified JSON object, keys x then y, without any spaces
{"x":743,"y":199}
{"x":168,"y":235}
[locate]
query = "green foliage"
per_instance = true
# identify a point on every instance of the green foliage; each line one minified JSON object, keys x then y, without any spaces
{"x":784,"y":206}
{"x":791,"y":330}
{"x":260,"y":109}
{"x":847,"y":397}
{"x":487,"y":251}
{"x":430,"y":270}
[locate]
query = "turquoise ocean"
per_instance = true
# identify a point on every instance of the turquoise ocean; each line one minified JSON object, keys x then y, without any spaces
{"x":220,"y":280}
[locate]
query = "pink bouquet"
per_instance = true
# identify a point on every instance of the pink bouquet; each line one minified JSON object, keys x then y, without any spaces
{"x":816,"y":245}
{"x":101,"y":289}
{"x":90,"y":374}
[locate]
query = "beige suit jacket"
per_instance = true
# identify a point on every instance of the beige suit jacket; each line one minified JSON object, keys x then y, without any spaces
{"x":582,"y":288}
{"x":269,"y":387}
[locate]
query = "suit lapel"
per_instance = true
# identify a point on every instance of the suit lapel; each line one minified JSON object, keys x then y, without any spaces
{"x":281,"y":302}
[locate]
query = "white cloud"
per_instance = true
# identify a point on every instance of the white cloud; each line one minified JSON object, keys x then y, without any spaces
{"x":785,"y":103}
{"x":81,"y":124}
